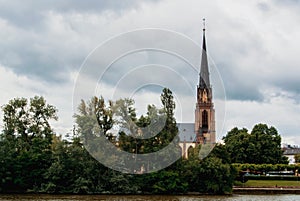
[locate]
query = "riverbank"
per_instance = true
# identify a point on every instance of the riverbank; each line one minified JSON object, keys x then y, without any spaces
{"x":236,"y":197}
{"x":265,"y":190}
{"x":267,"y":187}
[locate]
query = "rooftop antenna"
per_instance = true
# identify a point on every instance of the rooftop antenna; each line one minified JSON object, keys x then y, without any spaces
{"x":203,"y":24}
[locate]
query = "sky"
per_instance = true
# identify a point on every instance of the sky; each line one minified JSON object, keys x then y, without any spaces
{"x":47,"y":48}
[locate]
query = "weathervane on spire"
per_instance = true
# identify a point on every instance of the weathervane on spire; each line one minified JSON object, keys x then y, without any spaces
{"x":203,"y":24}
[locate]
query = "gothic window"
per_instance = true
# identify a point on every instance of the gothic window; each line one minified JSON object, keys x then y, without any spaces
{"x":204,"y":119}
{"x":204,"y":96}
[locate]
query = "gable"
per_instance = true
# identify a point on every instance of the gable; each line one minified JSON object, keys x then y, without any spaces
{"x":186,"y":132}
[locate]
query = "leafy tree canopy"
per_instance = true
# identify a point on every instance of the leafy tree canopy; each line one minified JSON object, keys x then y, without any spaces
{"x":261,"y":145}
{"x":25,"y":146}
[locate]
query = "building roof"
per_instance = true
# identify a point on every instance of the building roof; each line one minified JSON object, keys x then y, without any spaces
{"x":291,"y":151}
{"x":186,"y":132}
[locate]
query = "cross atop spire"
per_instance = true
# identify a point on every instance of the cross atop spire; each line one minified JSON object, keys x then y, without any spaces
{"x":204,"y":73}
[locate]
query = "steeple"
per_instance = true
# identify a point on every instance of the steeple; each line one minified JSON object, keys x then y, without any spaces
{"x":204,"y":112}
{"x":204,"y":73}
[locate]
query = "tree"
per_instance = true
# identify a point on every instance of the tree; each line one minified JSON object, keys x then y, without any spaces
{"x":94,"y":118}
{"x":262,"y":145}
{"x":219,"y":151}
{"x":170,"y":131}
{"x":167,"y":100}
{"x":214,"y":174}
{"x":149,"y":133}
{"x":236,"y":143}
{"x":28,"y":121}
{"x":73,"y":170}
{"x":26,"y":140}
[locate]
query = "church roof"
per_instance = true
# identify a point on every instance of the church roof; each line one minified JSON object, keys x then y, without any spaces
{"x":291,"y":151}
{"x":204,"y":73}
{"x":186,"y":132}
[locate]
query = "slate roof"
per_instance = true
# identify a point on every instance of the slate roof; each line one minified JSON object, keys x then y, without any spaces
{"x":186,"y":132}
{"x":291,"y":151}
{"x":204,"y":73}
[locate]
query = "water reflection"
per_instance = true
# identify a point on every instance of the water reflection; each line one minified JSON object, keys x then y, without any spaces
{"x":148,"y":198}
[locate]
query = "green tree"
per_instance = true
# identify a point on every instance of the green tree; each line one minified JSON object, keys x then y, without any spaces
{"x":262,"y":145}
{"x":219,"y":151}
{"x":164,"y":182}
{"x":169,"y":134}
{"x":168,"y":102}
{"x":236,"y":144}
{"x":26,"y":139}
{"x":212,"y":175}
{"x":73,"y":170}
{"x":94,"y":118}
{"x":149,"y":133}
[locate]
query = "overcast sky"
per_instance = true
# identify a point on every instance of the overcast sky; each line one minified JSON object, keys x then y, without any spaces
{"x":254,"y":46}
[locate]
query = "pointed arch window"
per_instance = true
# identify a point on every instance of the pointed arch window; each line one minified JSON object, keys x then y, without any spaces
{"x":204,"y":119}
{"x":204,"y":96}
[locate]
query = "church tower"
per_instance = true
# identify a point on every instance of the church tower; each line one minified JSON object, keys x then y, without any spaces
{"x":204,"y":112}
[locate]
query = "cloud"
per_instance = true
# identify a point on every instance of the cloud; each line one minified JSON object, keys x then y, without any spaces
{"x":280,"y":111}
{"x":47,"y":40}
{"x":253,"y":45}
{"x":253,"y":48}
{"x":13,"y":86}
{"x":53,"y":41}
{"x":31,"y":13}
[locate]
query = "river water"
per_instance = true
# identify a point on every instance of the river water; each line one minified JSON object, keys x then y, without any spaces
{"x":149,"y":198}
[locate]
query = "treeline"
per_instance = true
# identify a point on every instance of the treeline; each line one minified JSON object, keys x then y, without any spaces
{"x":34,"y":159}
{"x":69,"y":168}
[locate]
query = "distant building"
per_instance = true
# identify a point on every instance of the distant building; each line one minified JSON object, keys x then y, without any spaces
{"x":202,"y":131}
{"x":290,"y":153}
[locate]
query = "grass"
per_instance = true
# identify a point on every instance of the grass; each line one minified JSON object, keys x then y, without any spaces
{"x":270,"y":183}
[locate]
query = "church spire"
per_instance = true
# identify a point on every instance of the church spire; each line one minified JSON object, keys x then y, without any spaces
{"x":204,"y":73}
{"x":204,"y":112}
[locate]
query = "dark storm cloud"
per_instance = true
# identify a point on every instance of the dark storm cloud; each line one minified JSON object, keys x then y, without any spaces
{"x":238,"y":45}
{"x":24,"y":57}
{"x":31,"y":46}
{"x":292,"y":86}
{"x":238,"y":55}
{"x":149,"y":56}
{"x":238,"y":87}
{"x":253,"y":55}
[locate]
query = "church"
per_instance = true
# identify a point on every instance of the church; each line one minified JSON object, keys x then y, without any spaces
{"x":202,"y":131}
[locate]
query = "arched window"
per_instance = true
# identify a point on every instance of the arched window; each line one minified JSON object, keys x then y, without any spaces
{"x":204,"y":119}
{"x":204,"y":96}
